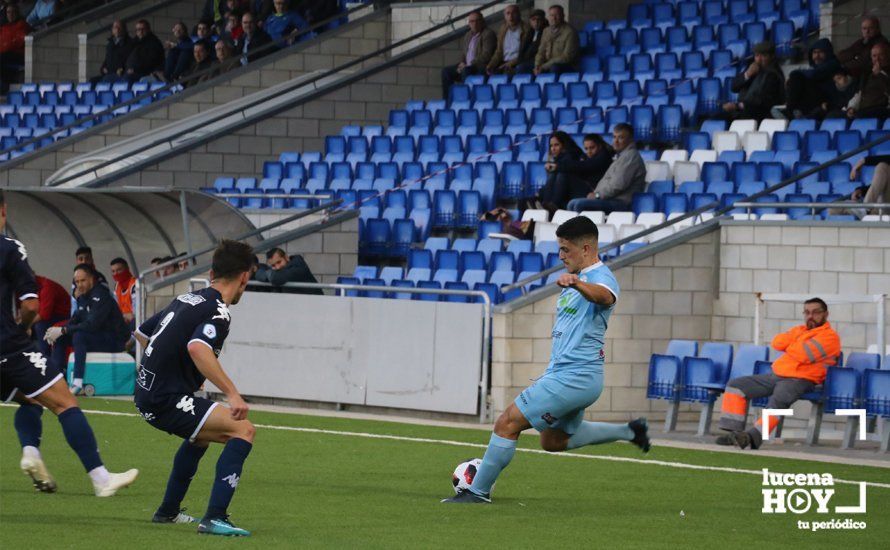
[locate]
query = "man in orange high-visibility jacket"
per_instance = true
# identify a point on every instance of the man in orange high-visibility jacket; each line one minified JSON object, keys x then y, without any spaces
{"x":125,"y":290}
{"x":809,"y":350}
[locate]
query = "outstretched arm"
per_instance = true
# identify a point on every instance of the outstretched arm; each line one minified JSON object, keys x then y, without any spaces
{"x":592,"y":292}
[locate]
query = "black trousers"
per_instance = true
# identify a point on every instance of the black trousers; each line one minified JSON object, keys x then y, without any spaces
{"x":450,"y":76}
{"x":803,"y":94}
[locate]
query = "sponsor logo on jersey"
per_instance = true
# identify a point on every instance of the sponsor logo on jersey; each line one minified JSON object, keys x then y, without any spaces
{"x":145,"y":378}
{"x":191,"y":299}
{"x":209,"y":331}
{"x":222,"y":312}
{"x":563,"y":303}
{"x":38,"y":360}
{"x":187,"y":404}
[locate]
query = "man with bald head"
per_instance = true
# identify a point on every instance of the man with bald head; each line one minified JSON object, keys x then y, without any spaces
{"x":857,"y":57}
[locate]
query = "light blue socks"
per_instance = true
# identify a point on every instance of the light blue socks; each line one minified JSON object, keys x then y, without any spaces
{"x":594,"y":433}
{"x":499,"y":453}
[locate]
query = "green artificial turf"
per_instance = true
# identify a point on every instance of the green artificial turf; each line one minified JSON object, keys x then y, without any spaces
{"x":313,"y":490}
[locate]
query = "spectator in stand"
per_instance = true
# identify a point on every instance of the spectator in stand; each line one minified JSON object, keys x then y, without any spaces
{"x":12,"y":47}
{"x":125,"y":292}
{"x":857,"y":57}
{"x":624,"y":177}
{"x":204,"y":32}
{"x":760,"y":86}
{"x":55,"y":309}
{"x":225,"y":55}
{"x":877,"y":192}
{"x":871,"y":100}
{"x":808,"y":89}
{"x":179,"y":53}
{"x":201,"y":64}
{"x":146,"y":59}
{"x":117,"y":50}
{"x":316,"y":11}
{"x":476,"y":49}
{"x":42,"y":13}
{"x":232,"y":31}
{"x":513,"y":38}
{"x":572,"y":173}
{"x":809,"y":350}
{"x":284,"y":23}
{"x":538,"y":22}
{"x":284,"y":270}
{"x":845,"y":88}
{"x":253,"y":40}
{"x":261,"y":9}
{"x":560,"y":48}
{"x":96,"y":325}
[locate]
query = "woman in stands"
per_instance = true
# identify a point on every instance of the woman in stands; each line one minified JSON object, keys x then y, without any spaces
{"x":571,"y":172}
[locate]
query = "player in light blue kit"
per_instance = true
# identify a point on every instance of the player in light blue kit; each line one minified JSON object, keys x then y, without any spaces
{"x":554,"y":405}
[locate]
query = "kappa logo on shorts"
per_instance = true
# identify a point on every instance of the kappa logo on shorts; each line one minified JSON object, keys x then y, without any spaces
{"x":187,"y":404}
{"x":548,"y":418}
{"x":38,"y":360}
{"x":191,"y":299}
{"x":148,"y":416}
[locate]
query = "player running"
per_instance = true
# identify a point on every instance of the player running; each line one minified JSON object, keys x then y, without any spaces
{"x":554,"y":405}
{"x":181,"y":346}
{"x":27,"y":378}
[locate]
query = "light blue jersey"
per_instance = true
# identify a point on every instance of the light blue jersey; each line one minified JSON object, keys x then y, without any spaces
{"x":579,"y":333}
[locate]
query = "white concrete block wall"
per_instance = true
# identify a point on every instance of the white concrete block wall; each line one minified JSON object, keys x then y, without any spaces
{"x":409,"y":19}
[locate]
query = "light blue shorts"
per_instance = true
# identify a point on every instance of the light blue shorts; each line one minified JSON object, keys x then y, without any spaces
{"x":556,"y":401}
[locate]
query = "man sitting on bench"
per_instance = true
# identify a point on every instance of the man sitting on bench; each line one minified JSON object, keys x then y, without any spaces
{"x":809,"y":350}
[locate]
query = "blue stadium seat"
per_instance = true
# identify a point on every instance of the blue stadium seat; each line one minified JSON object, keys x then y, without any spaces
{"x":644,"y":202}
{"x":674,"y":202}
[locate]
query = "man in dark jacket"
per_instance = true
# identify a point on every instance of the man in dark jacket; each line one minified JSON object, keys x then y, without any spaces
{"x":201,"y":62}
{"x":873,"y":97}
{"x":316,"y":11}
{"x":117,"y":49}
{"x":808,"y":89}
{"x":857,"y":57}
{"x":476,"y":49}
{"x":147,"y":57}
{"x":760,"y":86}
{"x":96,"y":325}
{"x":253,"y":40}
{"x":283,"y":270}
{"x":179,"y":53}
{"x":538,"y":22}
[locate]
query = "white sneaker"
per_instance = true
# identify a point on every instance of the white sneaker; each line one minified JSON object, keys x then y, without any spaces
{"x":115,"y":482}
{"x":36,"y":470}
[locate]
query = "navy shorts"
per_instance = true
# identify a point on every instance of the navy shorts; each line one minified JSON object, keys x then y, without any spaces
{"x":182,"y":415}
{"x":26,"y":371}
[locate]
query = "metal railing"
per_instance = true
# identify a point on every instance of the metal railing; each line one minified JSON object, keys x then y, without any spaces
{"x":170,"y":86}
{"x":814,"y":206}
{"x":341,"y":289}
{"x":313,"y":79}
{"x":717,"y":208}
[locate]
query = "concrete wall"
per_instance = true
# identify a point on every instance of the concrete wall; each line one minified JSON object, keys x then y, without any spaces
{"x":56,"y":54}
{"x":704,"y":290}
{"x":840,"y":21}
{"x":412,"y":18}
{"x":332,"y":49}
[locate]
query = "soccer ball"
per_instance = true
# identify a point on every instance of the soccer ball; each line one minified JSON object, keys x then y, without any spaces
{"x":463,"y":475}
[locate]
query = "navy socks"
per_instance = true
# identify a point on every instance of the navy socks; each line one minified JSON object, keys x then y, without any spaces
{"x":185,"y":465}
{"x":28,"y":425}
{"x":228,"y":474}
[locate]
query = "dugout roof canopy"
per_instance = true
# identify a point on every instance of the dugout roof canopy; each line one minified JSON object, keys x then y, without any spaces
{"x":136,"y":224}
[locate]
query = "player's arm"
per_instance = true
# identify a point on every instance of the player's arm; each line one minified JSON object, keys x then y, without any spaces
{"x":209,"y":366}
{"x":144,"y":331}
{"x":593,"y":292}
{"x":28,"y":310}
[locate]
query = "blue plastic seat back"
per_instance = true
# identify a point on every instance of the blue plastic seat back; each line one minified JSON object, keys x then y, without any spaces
{"x":861,"y":361}
{"x":664,"y":374}
{"x":841,"y":388}
{"x":877,"y":392}
{"x":748,"y":355}
{"x":720,"y":355}
{"x":682,"y":348}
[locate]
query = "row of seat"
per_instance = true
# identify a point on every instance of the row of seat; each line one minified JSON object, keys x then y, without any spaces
{"x":685,"y":373}
{"x":696,"y":12}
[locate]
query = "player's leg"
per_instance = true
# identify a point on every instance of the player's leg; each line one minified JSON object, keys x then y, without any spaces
{"x":237,"y":436}
{"x":79,"y":435}
{"x":29,"y":427}
{"x":596,"y":433}
{"x":185,"y":466}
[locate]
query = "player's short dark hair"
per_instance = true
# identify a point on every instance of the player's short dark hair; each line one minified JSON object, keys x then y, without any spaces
{"x":83,"y":250}
{"x":90,"y":270}
{"x":231,"y":259}
{"x":624,"y":127}
{"x":579,"y":228}
{"x":119,"y":261}
{"x":819,"y":301}
{"x":275,"y":251}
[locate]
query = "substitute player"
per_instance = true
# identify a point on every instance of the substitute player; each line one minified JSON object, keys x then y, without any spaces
{"x":181,"y":345}
{"x":554,"y":405}
{"x":26,"y":377}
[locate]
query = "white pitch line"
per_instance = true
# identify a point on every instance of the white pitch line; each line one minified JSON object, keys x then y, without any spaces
{"x":366,"y":435}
